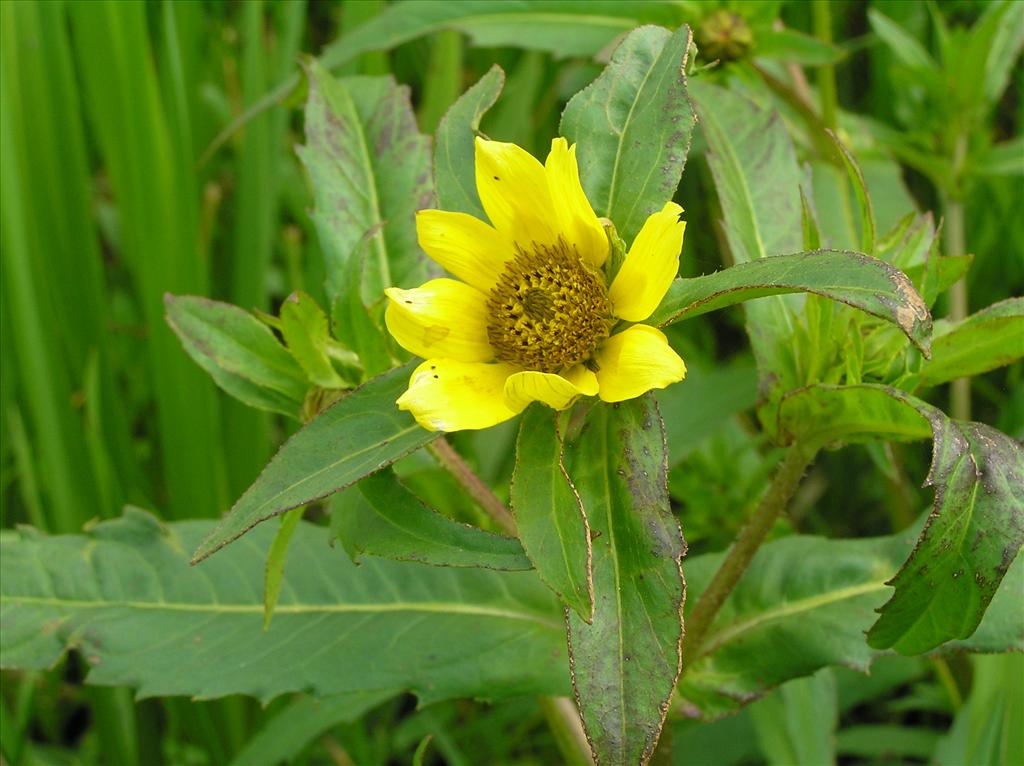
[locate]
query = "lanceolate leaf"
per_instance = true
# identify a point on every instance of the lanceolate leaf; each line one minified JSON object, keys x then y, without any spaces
{"x":865,"y":283}
{"x":240,"y":353}
{"x":380,"y":517}
{"x":304,"y":326}
{"x":126,"y":598}
{"x":358,"y":435}
{"x":549,"y":518}
{"x":454,"y":155}
{"x":991,"y":338}
{"x":626,"y":662}
{"x":805,"y":603}
{"x":632,"y":128}
{"x":971,"y":539}
{"x":370,"y":171}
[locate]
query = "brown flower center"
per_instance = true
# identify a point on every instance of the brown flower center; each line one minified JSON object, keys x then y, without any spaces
{"x":549,"y":310}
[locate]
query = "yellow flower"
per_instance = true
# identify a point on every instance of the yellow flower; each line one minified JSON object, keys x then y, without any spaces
{"x":533,"y":317}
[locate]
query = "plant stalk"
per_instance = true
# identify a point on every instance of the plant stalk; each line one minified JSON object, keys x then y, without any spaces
{"x":826,"y":76}
{"x":750,"y":539}
{"x":475,"y":487}
{"x":567,"y":728}
{"x":956,"y":244}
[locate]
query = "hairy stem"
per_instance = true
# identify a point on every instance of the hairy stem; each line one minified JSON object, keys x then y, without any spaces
{"x":775,"y":500}
{"x":475,"y":487}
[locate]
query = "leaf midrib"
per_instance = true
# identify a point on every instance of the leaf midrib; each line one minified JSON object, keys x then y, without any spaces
{"x":438,"y":607}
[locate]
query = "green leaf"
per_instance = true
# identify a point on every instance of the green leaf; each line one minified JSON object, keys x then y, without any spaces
{"x":903,"y":45}
{"x":370,"y":172}
{"x":240,"y":353}
{"x":991,"y":338}
{"x":868,"y":284}
{"x":562,"y":28}
{"x":987,"y":728}
{"x":549,"y":517}
{"x":353,"y":324}
{"x":304,"y":327}
{"x":796,"y":725}
{"x":795,"y":47}
{"x":756,"y":174}
{"x":976,"y":526}
{"x":804,"y":604}
{"x":1003,"y":159}
{"x":971,"y":539}
{"x":125,"y":597}
{"x":289,"y":733}
{"x":711,"y":397}
{"x":625,"y":664}
{"x":454,"y":153}
{"x":380,"y":517}
{"x":358,"y":435}
{"x":824,"y":415}
{"x":276,"y":558}
{"x":632,"y":128}
{"x":860,"y":190}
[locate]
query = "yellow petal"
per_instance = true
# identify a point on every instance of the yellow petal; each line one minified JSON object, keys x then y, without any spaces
{"x":576,"y":218}
{"x":555,"y":391}
{"x":446,"y":395}
{"x":442,"y":318}
{"x":583,"y":379}
{"x":650,"y":266}
{"x":513,"y":189}
{"x":464,"y":245}
{"x":635,"y":361}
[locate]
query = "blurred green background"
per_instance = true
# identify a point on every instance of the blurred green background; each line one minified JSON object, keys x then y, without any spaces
{"x":111,"y":197}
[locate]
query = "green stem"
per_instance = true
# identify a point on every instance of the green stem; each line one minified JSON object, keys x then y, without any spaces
{"x":736,"y":561}
{"x":567,"y":728}
{"x":948,"y":682}
{"x":822,"y":13}
{"x":475,"y":487}
{"x":955,"y":238}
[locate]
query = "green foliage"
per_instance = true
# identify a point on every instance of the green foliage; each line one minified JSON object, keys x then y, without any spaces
{"x":632,"y":127}
{"x":809,"y":178}
{"x":557,"y":540}
{"x":380,"y":517}
{"x":626,"y":660}
{"x":451,"y":632}
{"x":366,"y":433}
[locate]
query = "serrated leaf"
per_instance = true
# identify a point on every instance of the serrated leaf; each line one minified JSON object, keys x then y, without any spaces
{"x":370,"y":172}
{"x":865,"y":283}
{"x":454,"y":154}
{"x":977,"y":524}
{"x":359,"y":434}
{"x":239,"y":352}
{"x":626,"y":662}
{"x":304,"y":327}
{"x":990,"y":338}
{"x":972,"y":537}
{"x":804,"y":604}
{"x":125,"y":597}
{"x":550,"y":520}
{"x":632,"y":127}
{"x":381,"y":517}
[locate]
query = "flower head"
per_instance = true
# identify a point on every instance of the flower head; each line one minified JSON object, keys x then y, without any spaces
{"x":534,"y":317}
